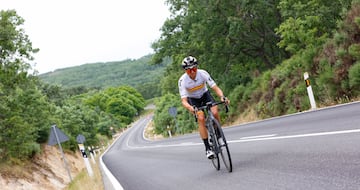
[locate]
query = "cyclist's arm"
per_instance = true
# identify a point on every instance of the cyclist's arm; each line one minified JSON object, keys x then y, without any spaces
{"x":213,"y":85}
{"x":220,"y":93}
{"x":186,"y":105}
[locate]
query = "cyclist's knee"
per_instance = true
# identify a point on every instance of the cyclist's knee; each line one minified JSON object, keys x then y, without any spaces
{"x":214,"y":110}
{"x":216,"y":113}
{"x":200,"y":116}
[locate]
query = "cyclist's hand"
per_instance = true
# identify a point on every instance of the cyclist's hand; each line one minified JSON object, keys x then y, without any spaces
{"x":194,"y":110}
{"x":226,"y":100}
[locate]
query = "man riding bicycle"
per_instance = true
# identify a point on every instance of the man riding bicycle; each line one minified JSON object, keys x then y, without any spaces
{"x":194,"y":92}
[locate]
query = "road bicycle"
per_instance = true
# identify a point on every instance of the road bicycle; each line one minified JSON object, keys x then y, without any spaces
{"x":215,"y":133}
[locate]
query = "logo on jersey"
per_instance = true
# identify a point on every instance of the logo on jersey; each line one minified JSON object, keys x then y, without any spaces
{"x":196,"y":87}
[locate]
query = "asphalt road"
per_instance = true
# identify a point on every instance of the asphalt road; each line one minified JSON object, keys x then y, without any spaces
{"x":312,"y":150}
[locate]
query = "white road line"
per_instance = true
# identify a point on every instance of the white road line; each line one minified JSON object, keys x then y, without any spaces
{"x":297,"y":136}
{"x":114,"y":182}
{"x":165,"y":145}
{"x":260,"y":136}
{"x":250,"y":139}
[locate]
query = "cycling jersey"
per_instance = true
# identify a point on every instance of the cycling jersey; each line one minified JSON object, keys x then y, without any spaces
{"x":195,"y":88}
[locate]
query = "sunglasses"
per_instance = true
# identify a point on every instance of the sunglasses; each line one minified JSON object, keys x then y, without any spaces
{"x":191,"y":69}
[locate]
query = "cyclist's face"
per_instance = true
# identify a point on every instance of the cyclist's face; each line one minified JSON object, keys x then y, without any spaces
{"x":191,"y":71}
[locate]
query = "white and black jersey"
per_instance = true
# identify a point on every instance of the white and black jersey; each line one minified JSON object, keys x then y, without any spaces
{"x":195,"y":88}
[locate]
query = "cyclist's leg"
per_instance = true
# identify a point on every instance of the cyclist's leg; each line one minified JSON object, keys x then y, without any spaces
{"x":201,"y":122}
{"x":205,"y":98}
{"x":202,"y":127}
{"x":215,"y":111}
{"x":204,"y":135}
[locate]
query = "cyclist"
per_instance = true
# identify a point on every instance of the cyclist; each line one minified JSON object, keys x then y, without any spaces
{"x":194,"y":92}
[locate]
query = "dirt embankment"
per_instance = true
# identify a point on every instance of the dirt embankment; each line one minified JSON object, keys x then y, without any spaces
{"x":46,"y":172}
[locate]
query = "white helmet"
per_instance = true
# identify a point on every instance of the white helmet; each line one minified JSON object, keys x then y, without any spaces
{"x":189,"y":62}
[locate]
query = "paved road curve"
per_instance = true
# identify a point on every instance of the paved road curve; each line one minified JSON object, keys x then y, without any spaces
{"x":313,"y":150}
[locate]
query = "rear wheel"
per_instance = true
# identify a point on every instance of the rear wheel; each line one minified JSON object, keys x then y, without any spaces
{"x":224,"y":149}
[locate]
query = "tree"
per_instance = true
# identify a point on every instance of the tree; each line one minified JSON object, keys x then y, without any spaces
{"x":21,"y":131}
{"x":16,"y":48}
{"x":308,"y":23}
{"x":122,"y":103}
{"x":222,"y":35}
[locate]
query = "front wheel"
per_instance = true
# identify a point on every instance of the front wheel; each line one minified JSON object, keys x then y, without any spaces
{"x":224,"y":149}
{"x":216,"y":160}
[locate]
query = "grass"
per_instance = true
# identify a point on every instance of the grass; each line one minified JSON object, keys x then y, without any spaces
{"x":16,"y":170}
{"x":84,"y":182}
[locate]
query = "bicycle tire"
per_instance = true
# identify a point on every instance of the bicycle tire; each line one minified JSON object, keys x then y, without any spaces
{"x":215,"y":161}
{"x":226,"y":157}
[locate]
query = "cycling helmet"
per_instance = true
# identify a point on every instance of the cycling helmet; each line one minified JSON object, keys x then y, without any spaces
{"x":189,"y":62}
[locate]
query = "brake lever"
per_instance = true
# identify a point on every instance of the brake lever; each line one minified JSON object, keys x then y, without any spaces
{"x":226,"y":105}
{"x":226,"y":108}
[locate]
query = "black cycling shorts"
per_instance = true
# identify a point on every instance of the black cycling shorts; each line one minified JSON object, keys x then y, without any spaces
{"x":198,"y":102}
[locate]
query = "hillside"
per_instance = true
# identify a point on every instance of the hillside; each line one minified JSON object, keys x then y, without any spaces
{"x":127,"y":72}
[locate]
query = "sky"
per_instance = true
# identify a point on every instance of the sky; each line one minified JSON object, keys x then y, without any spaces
{"x":75,"y":32}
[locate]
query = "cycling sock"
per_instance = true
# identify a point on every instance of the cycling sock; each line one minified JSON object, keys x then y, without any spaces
{"x":206,"y":143}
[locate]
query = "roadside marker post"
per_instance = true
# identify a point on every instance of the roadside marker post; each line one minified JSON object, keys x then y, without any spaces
{"x":309,"y":90}
{"x":92,"y":154}
{"x":81,"y":139}
{"x":169,"y":131}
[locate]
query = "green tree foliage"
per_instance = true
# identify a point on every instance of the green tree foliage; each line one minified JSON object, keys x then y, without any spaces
{"x":28,"y":107}
{"x":149,"y":90}
{"x":222,"y":35}
{"x":16,"y":48}
{"x":123,"y":103}
{"x":354,"y":77}
{"x":183,"y":123}
{"x":170,"y":81}
{"x":140,"y":74}
{"x":332,"y":65}
{"x":282,"y":90}
{"x":24,"y":108}
{"x":257,"y":51}
{"x":75,"y":119}
{"x":54,"y":93}
{"x":308,"y":23}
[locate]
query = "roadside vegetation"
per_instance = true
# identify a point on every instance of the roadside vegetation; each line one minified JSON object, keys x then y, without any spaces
{"x":85,"y":182}
{"x":139,"y":74}
{"x":29,"y":107}
{"x":258,"y":52}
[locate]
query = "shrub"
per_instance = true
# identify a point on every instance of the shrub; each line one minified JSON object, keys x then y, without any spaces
{"x":354,"y":78}
{"x":354,"y":51}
